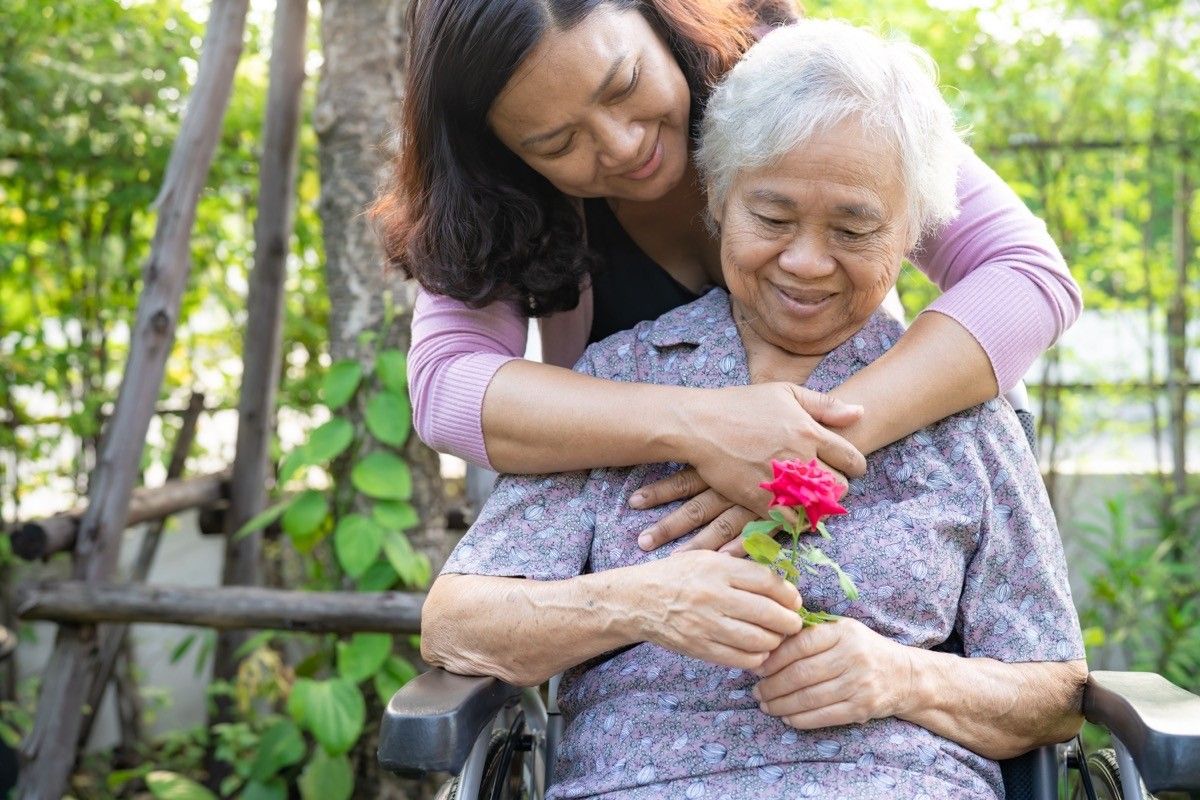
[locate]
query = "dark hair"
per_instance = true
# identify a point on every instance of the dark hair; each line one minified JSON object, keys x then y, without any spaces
{"x":463,"y":214}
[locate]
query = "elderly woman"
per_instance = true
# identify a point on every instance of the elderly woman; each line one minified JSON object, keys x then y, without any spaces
{"x":827,"y":152}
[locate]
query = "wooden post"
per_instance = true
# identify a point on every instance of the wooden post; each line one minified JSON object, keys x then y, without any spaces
{"x":49,"y":751}
{"x":223,"y":607}
{"x":264,"y":327}
{"x":1177,"y":323}
{"x":42,"y":538}
{"x":114,"y":643}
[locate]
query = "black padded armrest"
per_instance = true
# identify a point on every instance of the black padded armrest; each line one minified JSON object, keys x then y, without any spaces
{"x":1158,"y":721}
{"x":431,"y":724}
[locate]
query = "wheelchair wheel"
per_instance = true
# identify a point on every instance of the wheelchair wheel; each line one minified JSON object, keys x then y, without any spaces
{"x":1102,"y":765}
{"x":499,"y":768}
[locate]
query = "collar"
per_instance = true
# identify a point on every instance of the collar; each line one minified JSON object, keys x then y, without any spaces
{"x":708,"y":323}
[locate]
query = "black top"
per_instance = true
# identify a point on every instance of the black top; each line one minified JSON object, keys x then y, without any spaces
{"x":629,"y":287}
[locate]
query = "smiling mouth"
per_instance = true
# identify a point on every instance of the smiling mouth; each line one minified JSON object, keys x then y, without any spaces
{"x":805,"y":297}
{"x":650,"y":165}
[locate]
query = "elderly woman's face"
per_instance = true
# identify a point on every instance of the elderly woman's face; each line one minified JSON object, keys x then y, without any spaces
{"x":812,"y":244}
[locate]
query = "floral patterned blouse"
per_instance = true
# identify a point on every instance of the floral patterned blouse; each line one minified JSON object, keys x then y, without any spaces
{"x":949,"y":536}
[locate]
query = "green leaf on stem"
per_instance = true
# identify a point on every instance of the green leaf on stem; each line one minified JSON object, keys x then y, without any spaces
{"x":389,"y":418}
{"x":357,"y":541}
{"x":305,"y":515}
{"x":329,"y":441}
{"x":761,"y":548}
{"x":172,"y":786}
{"x":333,"y":711}
{"x":341,"y":382}
{"x":762,"y":526}
{"x":382,"y":476}
{"x":778,"y":516}
{"x":396,"y":515}
{"x":327,"y":777}
{"x":363,"y":655}
{"x":392,"y":368}
{"x":281,"y":745}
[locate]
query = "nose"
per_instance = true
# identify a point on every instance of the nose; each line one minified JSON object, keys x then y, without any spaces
{"x":807,"y":255}
{"x":618,"y":142}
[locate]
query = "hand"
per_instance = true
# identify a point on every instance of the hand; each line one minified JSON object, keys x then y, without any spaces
{"x":722,"y":519}
{"x":734,"y":433}
{"x":723,"y":610}
{"x":836,"y":673}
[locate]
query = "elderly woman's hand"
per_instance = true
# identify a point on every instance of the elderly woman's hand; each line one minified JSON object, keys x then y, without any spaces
{"x":709,"y":606}
{"x":736,"y":433}
{"x":836,"y":673}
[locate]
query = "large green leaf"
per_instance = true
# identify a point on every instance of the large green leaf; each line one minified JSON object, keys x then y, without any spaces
{"x":329,"y":441}
{"x":380,"y":577}
{"x":396,"y":672}
{"x":382,"y":476}
{"x":305,"y":515}
{"x":333,"y":711}
{"x":341,"y":382}
{"x":274,"y":789}
{"x":389,"y":418}
{"x":360,"y":657}
{"x":357,"y":541}
{"x":171,"y":786}
{"x":327,"y":778}
{"x":281,"y":746}
{"x":392,"y":368}
{"x":413,"y":567}
{"x":396,"y":515}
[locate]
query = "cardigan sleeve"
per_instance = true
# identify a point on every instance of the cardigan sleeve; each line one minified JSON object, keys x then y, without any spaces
{"x":1003,"y":277}
{"x":454,"y":354}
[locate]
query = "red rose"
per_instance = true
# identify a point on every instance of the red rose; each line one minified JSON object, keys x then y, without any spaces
{"x":809,"y":486}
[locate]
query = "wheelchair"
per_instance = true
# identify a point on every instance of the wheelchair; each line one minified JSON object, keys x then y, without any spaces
{"x":499,"y":741}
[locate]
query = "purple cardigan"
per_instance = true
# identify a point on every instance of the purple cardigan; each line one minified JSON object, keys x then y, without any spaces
{"x":1004,"y":280}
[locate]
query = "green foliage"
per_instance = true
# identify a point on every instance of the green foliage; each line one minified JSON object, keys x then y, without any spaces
{"x":327,"y":778}
{"x":170,"y":786}
{"x":333,"y":711}
{"x":1143,"y":612}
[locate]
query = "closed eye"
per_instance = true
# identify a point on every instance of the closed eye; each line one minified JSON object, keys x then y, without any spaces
{"x":770,"y":221}
{"x":633,"y":82}
{"x":562,"y":151}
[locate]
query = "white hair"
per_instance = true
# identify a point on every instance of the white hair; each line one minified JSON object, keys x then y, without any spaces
{"x":805,"y":79}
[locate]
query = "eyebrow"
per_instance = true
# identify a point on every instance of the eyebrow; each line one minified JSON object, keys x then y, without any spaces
{"x":613,"y":69}
{"x":861,"y":211}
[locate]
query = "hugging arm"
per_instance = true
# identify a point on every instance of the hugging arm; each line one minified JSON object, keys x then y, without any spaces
{"x":1008,"y":297}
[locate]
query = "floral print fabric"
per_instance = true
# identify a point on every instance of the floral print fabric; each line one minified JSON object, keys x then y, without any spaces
{"x":949,"y":536}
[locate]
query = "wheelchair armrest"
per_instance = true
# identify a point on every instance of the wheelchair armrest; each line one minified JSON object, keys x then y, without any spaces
{"x":431,"y":724}
{"x":1155,"y":719}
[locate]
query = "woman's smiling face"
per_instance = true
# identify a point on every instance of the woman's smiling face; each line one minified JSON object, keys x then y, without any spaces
{"x":810,"y":245}
{"x":600,"y":110}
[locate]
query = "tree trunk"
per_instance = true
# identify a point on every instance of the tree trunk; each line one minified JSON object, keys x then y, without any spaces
{"x":358,"y":100}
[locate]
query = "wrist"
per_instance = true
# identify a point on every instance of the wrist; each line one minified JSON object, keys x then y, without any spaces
{"x":617,"y":600}
{"x":913,"y":677}
{"x":682,"y":421}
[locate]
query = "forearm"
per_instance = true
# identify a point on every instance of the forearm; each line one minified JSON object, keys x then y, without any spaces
{"x":524,"y":631}
{"x":541,"y":418}
{"x":934,"y":370}
{"x":995,"y":709}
